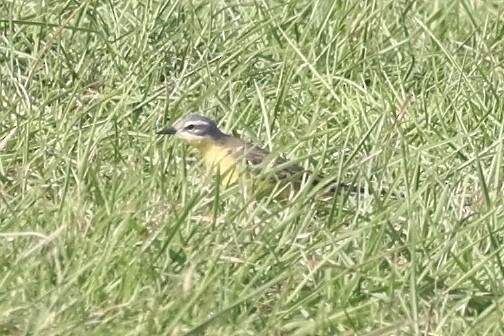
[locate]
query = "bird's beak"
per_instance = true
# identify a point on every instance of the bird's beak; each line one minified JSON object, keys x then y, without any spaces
{"x":169,"y":131}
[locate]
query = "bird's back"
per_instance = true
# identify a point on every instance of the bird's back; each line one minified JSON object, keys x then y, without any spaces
{"x":275,"y":168}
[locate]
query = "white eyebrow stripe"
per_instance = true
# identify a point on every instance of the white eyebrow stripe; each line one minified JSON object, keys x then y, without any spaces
{"x":196,"y":122}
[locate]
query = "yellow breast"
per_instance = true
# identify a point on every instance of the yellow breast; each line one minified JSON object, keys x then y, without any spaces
{"x":218,"y":159}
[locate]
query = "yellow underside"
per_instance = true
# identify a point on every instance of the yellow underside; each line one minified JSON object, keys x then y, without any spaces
{"x":218,"y":160}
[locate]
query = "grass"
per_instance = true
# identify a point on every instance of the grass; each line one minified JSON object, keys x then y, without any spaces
{"x":106,"y":228}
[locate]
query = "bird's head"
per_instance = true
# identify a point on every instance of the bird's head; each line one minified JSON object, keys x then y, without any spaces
{"x":195,"y":129}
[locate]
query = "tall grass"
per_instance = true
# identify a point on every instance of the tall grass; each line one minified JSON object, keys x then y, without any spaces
{"x":106,"y":228}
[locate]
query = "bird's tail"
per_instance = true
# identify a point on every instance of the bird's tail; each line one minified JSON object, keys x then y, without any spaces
{"x":335,"y":187}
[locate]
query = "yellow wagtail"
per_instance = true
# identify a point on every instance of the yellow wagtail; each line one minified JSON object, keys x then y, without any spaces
{"x":224,"y":155}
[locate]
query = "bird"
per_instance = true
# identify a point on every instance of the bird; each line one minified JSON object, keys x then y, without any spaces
{"x":230,"y":157}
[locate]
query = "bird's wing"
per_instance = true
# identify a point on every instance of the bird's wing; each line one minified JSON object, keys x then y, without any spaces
{"x":283,"y":170}
{"x":259,"y":158}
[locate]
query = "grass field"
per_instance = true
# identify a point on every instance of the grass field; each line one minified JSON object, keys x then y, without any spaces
{"x":108,"y":229}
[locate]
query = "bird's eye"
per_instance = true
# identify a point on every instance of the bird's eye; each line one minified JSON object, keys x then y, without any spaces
{"x":190,"y":127}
